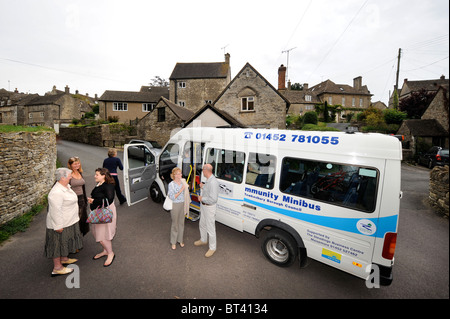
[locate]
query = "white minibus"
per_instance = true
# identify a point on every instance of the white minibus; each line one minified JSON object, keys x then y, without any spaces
{"x":330,"y":196}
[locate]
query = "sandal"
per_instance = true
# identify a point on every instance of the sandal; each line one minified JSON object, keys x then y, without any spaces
{"x":174,"y":247}
{"x":181,"y":245}
{"x":98,"y":256}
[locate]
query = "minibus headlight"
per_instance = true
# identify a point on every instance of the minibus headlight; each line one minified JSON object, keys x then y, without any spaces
{"x":390,"y":240}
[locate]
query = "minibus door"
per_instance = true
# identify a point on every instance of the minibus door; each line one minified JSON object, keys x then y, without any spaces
{"x":139,"y":172}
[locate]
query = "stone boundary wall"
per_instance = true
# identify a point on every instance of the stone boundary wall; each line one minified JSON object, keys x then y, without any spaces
{"x":108,"y":135}
{"x":438,"y":197}
{"x":27,"y":169}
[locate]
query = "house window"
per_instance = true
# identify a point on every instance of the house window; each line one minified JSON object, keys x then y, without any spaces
{"x":182,"y":103}
{"x":30,"y":115}
{"x":330,"y":100}
{"x":361,"y":103}
{"x":42,"y":114}
{"x":208,"y":101}
{"x":161,"y":114}
{"x":308,"y":98}
{"x":353,"y":102}
{"x":248,"y":104}
{"x":120,"y":106}
{"x":181,"y":85}
{"x":343,"y":101}
{"x":148,"y":107}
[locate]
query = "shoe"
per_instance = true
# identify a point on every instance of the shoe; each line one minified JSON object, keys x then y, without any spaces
{"x":209,"y":253}
{"x":96,"y":257}
{"x":107,"y":265}
{"x":181,"y":245}
{"x":64,"y":271}
{"x":174,"y":247}
{"x":199,"y":243}
{"x":69,"y":261}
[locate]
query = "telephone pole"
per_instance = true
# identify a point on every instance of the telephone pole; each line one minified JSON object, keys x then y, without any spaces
{"x":398,"y":68}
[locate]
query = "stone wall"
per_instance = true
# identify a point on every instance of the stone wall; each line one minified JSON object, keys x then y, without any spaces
{"x":27,"y":168}
{"x":99,"y":135}
{"x":438,"y":197}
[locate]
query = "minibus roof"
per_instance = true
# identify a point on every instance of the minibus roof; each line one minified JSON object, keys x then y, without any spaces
{"x":372,"y":145}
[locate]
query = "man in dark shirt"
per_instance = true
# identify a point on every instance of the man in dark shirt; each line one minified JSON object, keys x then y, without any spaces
{"x":111,"y":163}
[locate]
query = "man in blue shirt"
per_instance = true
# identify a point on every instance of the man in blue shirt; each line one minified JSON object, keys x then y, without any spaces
{"x":111,"y":163}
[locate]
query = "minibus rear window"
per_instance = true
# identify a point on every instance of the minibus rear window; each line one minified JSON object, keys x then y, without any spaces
{"x":227,"y":165}
{"x":339,"y":184}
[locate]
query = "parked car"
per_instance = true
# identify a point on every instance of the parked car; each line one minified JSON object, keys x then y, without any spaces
{"x":434,"y":156}
{"x":153,"y":145}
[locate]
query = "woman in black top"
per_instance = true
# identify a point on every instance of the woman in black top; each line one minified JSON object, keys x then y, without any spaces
{"x":103,"y":195}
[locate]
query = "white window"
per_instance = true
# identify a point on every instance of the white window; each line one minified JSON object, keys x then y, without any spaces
{"x":30,"y":115}
{"x":148,"y":107}
{"x":248,"y":104}
{"x":181,"y":85}
{"x":308,"y":98}
{"x":182,"y":103}
{"x":353,"y":101}
{"x":343,"y":101}
{"x":120,"y":106}
{"x":42,"y":114}
{"x":361,"y":102}
{"x":330,"y":100}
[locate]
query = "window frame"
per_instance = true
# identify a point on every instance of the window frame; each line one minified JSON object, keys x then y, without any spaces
{"x":245,"y":103}
{"x":120,"y":106}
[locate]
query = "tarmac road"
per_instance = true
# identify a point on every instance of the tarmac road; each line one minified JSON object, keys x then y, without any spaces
{"x":146,"y":267}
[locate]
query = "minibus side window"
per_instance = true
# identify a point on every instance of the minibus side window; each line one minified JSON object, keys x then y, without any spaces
{"x":227,"y":165}
{"x":167,"y":161}
{"x":339,"y":184}
{"x":261,"y":170}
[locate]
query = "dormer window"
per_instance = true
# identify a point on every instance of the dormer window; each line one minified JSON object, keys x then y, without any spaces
{"x":308,"y":98}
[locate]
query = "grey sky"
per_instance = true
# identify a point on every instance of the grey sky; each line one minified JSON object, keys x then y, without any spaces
{"x":99,"y":45}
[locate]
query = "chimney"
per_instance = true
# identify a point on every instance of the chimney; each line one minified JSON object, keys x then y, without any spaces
{"x":282,"y":77}
{"x":305,"y":86}
{"x":66,"y":89}
{"x":357,"y":83}
{"x":442,"y":77}
{"x":227,"y":58}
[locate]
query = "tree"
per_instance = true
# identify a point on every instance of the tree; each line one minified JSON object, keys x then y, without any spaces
{"x":416,"y":104}
{"x":159,"y":81}
{"x":296,"y":87}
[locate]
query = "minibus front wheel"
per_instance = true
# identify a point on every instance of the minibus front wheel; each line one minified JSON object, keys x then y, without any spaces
{"x":279,"y":248}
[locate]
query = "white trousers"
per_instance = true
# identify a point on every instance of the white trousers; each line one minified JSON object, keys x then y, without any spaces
{"x":208,"y":225}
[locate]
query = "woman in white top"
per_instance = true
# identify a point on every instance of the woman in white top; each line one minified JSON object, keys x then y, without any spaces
{"x":63,"y":234}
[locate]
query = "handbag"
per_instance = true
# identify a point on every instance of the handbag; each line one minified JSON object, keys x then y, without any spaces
{"x":167,"y":204}
{"x":100,"y":215}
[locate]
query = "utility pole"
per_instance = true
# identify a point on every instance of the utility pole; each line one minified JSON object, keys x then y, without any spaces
{"x":395,"y":98}
{"x":287,"y":64}
{"x":398,"y":67}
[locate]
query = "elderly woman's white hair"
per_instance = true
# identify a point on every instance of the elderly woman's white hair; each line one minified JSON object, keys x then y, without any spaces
{"x":62,"y":172}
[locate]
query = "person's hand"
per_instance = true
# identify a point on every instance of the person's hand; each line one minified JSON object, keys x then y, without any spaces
{"x":90,"y":200}
{"x":59,"y":230}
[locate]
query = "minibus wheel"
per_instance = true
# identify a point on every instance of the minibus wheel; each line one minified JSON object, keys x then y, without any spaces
{"x":155,"y":193}
{"x":279,"y":248}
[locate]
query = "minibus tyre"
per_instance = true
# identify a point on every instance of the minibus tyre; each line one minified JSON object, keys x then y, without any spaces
{"x":155,"y":193}
{"x":279,"y":248}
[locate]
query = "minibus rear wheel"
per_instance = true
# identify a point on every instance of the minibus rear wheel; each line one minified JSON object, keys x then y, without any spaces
{"x":279,"y":248}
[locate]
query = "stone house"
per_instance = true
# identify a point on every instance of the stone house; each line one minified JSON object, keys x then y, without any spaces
{"x":53,"y":109}
{"x":432,"y":128}
{"x":253,"y":101}
{"x":192,"y":85}
{"x":128,"y":106}
{"x":164,"y":121}
{"x":352,"y":98}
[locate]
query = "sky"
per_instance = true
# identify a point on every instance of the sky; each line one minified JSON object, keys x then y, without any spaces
{"x":98,"y":45}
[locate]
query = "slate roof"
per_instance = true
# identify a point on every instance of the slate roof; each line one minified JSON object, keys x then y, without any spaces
{"x":222,"y":114}
{"x":147,"y":94}
{"x":329,"y":86}
{"x":200,"y":71}
{"x":426,"y":128}
{"x":428,"y":85}
{"x":183,"y":113}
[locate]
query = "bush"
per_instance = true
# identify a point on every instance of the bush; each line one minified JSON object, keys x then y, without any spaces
{"x":310,"y":118}
{"x":394,"y":116}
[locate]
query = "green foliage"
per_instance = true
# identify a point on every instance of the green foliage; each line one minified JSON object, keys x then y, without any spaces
{"x":394,"y":116}
{"x":18,"y":128}
{"x":313,"y":127}
{"x":310,"y":118}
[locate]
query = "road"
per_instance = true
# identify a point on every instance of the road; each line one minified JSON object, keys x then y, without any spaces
{"x":146,"y":267}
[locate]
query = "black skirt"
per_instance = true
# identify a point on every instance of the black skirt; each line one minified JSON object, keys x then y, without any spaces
{"x":82,"y":213}
{"x":62,"y":244}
